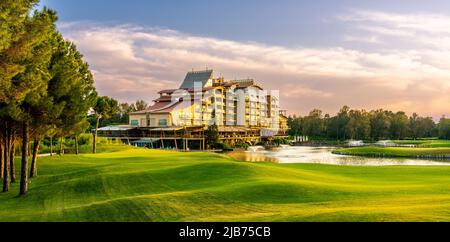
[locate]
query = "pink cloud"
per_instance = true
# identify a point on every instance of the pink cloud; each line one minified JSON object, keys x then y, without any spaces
{"x":131,"y":62}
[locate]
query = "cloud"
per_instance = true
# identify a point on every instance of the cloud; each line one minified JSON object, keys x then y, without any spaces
{"x":415,"y":22}
{"x":419,"y":30}
{"x":366,"y":39}
{"x":134,"y":62}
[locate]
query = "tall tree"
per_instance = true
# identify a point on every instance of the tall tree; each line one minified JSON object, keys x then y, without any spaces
{"x":212,"y":136}
{"x":35,"y":78}
{"x":444,"y":128}
{"x":399,"y":127}
{"x":105,"y":107}
{"x":15,"y":46}
{"x":44,"y":84}
{"x":295,"y":126}
{"x":140,"y":105}
{"x":125,"y":110}
{"x":22,"y":69}
{"x":342,"y":121}
{"x":313,"y":124}
{"x":379,"y":124}
{"x":358,"y":125}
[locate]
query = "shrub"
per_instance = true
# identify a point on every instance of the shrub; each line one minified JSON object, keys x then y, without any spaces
{"x":242,"y":145}
{"x":85,"y":139}
{"x":222,"y":146}
{"x":280,"y":141}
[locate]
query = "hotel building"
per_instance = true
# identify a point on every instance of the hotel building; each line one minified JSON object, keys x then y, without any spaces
{"x":242,"y":110}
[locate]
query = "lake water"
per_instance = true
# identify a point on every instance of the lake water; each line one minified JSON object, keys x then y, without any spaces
{"x":323,"y":155}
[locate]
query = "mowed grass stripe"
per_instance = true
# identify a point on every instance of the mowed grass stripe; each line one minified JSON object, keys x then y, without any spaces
{"x":131,"y":184}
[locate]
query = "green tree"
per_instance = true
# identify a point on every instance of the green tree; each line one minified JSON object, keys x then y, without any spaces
{"x":379,"y":124}
{"x":28,"y":86}
{"x":420,"y":127}
{"x":105,"y":107}
{"x":358,"y":125}
{"x":125,"y":110}
{"x":212,"y":136}
{"x":444,"y":128}
{"x":44,"y":84}
{"x":313,"y":124}
{"x":295,"y":126}
{"x":16,"y":44}
{"x":342,"y":119}
{"x":399,"y":127}
{"x":140,"y":105}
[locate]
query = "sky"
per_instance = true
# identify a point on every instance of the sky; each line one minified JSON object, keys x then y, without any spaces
{"x":319,"y":54}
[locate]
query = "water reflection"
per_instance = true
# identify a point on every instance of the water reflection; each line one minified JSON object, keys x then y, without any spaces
{"x":323,"y":155}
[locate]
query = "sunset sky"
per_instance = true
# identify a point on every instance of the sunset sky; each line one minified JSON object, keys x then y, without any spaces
{"x":319,"y":54}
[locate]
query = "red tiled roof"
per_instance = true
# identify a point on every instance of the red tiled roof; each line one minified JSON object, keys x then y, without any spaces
{"x":168,"y":91}
{"x":160,"y":107}
{"x":163,"y":99}
{"x":168,"y":109}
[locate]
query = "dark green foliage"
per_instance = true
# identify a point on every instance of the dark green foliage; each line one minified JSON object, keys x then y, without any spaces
{"x":122,"y":116}
{"x":280,"y":141}
{"x":222,"y":146}
{"x":212,"y":136}
{"x":105,"y":107}
{"x":363,"y":125}
{"x":242,"y":145}
{"x":444,"y":128}
{"x":45,"y":86}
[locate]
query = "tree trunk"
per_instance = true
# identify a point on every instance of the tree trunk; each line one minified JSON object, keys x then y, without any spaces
{"x":12,"y":165}
{"x":51,"y":146}
{"x":94,"y":143}
{"x":33,"y":171}
{"x":61,"y":146}
{"x":24,"y":169}
{"x":76,"y":145}
{"x":1,"y":158}
{"x":6,"y":160}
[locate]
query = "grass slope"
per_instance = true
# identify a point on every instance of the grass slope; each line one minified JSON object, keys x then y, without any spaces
{"x":425,"y":143}
{"x":144,"y":185}
{"x":394,"y":151}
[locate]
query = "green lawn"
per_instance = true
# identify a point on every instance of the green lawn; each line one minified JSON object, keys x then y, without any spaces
{"x":394,"y":151}
{"x":425,"y":143}
{"x":144,"y":185}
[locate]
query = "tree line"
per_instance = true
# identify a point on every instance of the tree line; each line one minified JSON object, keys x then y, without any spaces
{"x":120,"y":113}
{"x":46,"y":88}
{"x":46,"y":91}
{"x":367,"y":125}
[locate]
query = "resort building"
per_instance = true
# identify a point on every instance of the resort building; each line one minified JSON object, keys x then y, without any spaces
{"x":242,"y":110}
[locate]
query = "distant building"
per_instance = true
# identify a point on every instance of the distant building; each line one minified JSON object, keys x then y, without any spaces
{"x":242,"y":110}
{"x":203,"y":100}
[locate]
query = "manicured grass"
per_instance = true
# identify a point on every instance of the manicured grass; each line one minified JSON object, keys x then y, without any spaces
{"x":426,"y":143}
{"x":394,"y":151}
{"x":133,"y":184}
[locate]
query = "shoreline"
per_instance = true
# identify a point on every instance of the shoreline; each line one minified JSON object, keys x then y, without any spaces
{"x":430,"y":157}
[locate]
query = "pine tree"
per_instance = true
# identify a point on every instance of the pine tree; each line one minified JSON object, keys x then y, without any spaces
{"x":105,"y":107}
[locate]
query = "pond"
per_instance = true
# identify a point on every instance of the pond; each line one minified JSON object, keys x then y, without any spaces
{"x":323,"y":155}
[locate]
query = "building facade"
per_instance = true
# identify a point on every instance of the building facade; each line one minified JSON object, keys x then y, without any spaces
{"x":203,"y":100}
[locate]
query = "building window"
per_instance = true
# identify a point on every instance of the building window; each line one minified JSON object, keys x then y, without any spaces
{"x":135,"y":122}
{"x":162,"y":122}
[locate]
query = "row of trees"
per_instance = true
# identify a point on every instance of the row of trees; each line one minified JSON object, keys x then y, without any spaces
{"x":46,"y":89}
{"x":368,"y":125}
{"x":120,"y":113}
{"x":108,"y":111}
{"x":443,"y":128}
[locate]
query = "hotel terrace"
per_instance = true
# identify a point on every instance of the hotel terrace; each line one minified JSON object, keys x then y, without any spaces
{"x":242,"y":110}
